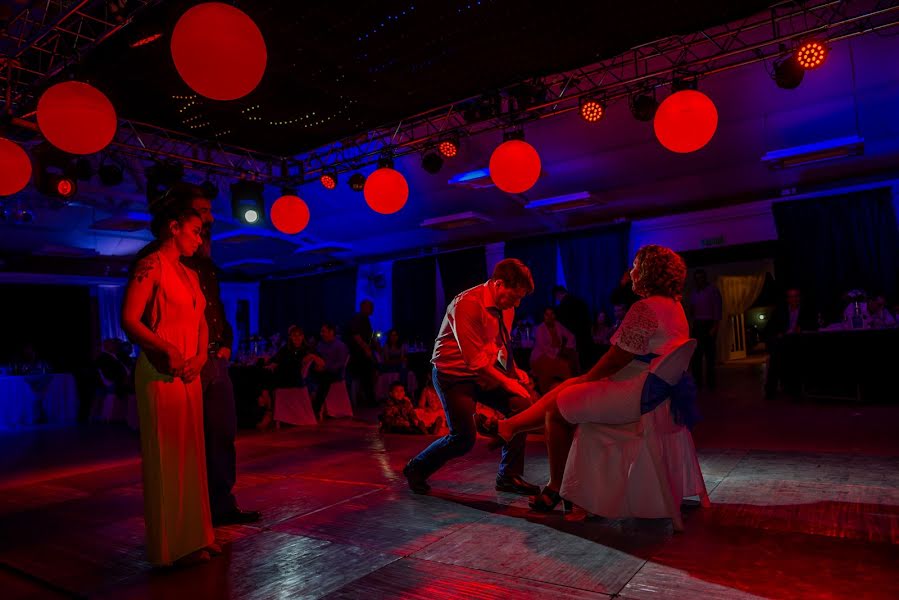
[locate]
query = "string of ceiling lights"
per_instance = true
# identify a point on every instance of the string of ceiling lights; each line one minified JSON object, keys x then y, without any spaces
{"x":78,"y":118}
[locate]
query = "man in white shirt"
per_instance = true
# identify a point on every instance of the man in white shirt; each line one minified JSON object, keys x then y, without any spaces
{"x":554,"y":357}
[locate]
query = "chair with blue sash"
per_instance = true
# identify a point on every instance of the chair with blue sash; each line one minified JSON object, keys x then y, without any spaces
{"x":646,"y":468}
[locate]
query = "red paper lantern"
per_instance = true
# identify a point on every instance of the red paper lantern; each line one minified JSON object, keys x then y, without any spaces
{"x":290,"y":214}
{"x":15,"y":168}
{"x":515,"y":166}
{"x":686,"y":121}
{"x":386,"y":191}
{"x":219,"y":51}
{"x":76,"y":117}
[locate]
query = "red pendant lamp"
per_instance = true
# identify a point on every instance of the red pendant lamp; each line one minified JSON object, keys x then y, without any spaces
{"x":290,"y":214}
{"x":515,"y":166}
{"x":386,"y":191}
{"x":685,"y":121}
{"x":76,"y":117}
{"x":15,"y":168}
{"x":219,"y":51}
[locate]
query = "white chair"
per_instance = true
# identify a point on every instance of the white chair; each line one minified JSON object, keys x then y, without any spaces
{"x":337,"y":402}
{"x":293,"y":405}
{"x":643,"y":469}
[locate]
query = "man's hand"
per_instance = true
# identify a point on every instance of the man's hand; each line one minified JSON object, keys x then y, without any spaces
{"x":516,"y":388}
{"x":224,"y":352}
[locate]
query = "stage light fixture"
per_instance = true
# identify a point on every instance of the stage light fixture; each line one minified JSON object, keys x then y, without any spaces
{"x":811,"y":54}
{"x":788,"y":73}
{"x":65,"y":187}
{"x":432,"y":162}
{"x":25,"y":216}
{"x":110,"y":175}
{"x":448,"y":147}
{"x":329,"y":179}
{"x":357,"y":182}
{"x":643,"y":106}
{"x":591,"y":109}
{"x":247,"y":202}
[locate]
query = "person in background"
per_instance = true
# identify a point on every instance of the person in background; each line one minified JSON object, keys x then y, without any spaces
{"x":602,"y":329}
{"x":572,"y":312}
{"x":328,"y":365}
{"x":705,"y":317}
{"x":360,"y":340}
{"x":786,"y":322}
{"x":399,"y":415}
{"x":555,"y":354}
{"x":287,"y":367}
{"x":880,"y":317}
{"x":430,"y":410}
{"x":624,"y":294}
{"x":618,"y":313}
{"x":393,"y":354}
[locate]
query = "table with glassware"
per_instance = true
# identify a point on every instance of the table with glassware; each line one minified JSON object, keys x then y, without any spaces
{"x":35,"y":398}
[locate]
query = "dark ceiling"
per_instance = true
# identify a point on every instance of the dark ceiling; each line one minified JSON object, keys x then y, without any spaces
{"x":359,"y":65}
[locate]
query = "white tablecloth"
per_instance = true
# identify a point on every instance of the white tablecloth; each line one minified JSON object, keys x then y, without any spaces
{"x":32,"y":399}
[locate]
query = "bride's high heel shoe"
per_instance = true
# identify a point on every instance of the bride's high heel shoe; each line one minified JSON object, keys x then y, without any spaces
{"x":489,"y":428}
{"x":547,"y":500}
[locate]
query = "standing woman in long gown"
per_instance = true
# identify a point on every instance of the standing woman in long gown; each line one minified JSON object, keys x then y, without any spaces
{"x":164,"y":314}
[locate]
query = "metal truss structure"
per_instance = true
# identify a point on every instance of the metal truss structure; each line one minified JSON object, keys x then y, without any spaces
{"x":39,"y":44}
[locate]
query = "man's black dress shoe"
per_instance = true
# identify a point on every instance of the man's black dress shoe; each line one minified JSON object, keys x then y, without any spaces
{"x":237,"y":517}
{"x":417,"y":483}
{"x":514,"y":484}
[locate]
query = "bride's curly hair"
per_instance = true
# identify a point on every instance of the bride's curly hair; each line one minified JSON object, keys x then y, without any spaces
{"x":662,"y":272}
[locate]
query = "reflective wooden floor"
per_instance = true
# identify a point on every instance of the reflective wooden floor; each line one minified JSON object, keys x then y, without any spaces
{"x":805,"y":505}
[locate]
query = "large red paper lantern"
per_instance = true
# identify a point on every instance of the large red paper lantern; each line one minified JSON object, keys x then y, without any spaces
{"x":686,"y":121}
{"x":15,"y":168}
{"x":76,"y":117}
{"x":290,"y":214}
{"x":386,"y":191}
{"x":219,"y":51}
{"x":515,"y":166}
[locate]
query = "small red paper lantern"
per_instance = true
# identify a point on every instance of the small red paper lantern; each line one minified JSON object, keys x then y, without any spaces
{"x":686,"y":121}
{"x":290,"y":214}
{"x":76,"y":117}
{"x":219,"y":51}
{"x":386,"y":191}
{"x":515,"y":166}
{"x":15,"y":168}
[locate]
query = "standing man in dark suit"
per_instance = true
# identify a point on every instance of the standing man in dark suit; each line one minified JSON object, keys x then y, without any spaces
{"x":786,"y":322}
{"x":573,"y":313}
{"x":219,"y":410}
{"x":359,"y":340}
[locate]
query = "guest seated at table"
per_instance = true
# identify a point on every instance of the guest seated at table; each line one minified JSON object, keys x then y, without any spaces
{"x":286,"y":367}
{"x":399,"y":415}
{"x":393,"y":354}
{"x":430,"y":410}
{"x":786,"y":321}
{"x":618,"y":312}
{"x":328,"y":365}
{"x":554,"y":354}
{"x":602,"y":329}
{"x":29,"y":362}
{"x":873,"y":314}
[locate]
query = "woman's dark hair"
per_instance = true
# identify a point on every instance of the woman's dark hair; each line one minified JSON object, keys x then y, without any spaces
{"x":662,"y":272}
{"x":175,"y":204}
{"x":399,"y":340}
{"x":160,"y":222}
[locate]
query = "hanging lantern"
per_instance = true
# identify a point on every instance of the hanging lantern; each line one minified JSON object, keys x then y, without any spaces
{"x":218,"y":51}
{"x":685,"y":121}
{"x":76,"y":117}
{"x":386,"y":191}
{"x":515,"y":166}
{"x":290,"y":214}
{"x":15,"y":168}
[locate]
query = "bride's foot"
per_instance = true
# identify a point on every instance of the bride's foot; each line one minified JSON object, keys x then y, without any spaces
{"x":213,"y":549}
{"x":194,"y":558}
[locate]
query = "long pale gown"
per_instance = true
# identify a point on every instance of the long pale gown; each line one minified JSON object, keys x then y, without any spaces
{"x":176,"y":501}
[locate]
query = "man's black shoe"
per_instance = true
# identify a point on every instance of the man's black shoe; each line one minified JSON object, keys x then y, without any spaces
{"x":237,"y":517}
{"x":514,"y":484}
{"x":417,"y":483}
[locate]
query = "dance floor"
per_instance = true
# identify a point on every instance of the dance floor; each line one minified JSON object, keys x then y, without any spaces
{"x":805,"y":505}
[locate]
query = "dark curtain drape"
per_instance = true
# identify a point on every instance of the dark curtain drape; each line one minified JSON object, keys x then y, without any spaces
{"x":462,"y":270}
{"x":829,"y":246}
{"x":539,"y":254}
{"x":308,"y":302}
{"x":594,"y":262}
{"x":414,"y":299}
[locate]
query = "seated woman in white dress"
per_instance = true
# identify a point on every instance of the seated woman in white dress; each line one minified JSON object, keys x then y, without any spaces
{"x":611,"y":391}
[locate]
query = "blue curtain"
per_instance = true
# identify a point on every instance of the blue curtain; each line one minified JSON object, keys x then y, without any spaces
{"x":109,"y":303}
{"x":415,"y":299}
{"x":594,"y":261}
{"x":462,"y":270}
{"x":539,"y":254}
{"x":308,"y":302}
{"x":829,"y":246}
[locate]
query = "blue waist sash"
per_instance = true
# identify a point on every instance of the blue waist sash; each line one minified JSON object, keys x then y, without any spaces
{"x":683,"y":398}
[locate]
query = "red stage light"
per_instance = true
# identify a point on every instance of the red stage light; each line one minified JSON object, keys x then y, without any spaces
{"x":219,"y":51}
{"x":76,"y":117}
{"x":290,"y":214}
{"x":15,"y":168}
{"x":329,"y":180}
{"x":448,"y":148}
{"x":515,"y":166}
{"x":685,"y":121}
{"x":591,"y":110}
{"x":65,"y":187}
{"x":811,"y":54}
{"x":386,"y":191}
{"x":147,"y":40}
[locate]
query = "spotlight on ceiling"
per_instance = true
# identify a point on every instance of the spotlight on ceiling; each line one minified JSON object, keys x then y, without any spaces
{"x":684,"y":82}
{"x":247,"y":202}
{"x":811,"y":54}
{"x":643,"y":106}
{"x":591,"y":109}
{"x":483,"y":108}
{"x":357,"y":182}
{"x":64,"y":187}
{"x":329,"y":179}
{"x":448,"y":147}
{"x":25,"y":216}
{"x":210,"y":190}
{"x":432,"y":162}
{"x":110,"y":175}
{"x":788,"y":73}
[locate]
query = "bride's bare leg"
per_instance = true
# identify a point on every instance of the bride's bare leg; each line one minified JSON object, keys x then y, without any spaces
{"x":531,"y":418}
{"x":559,"y":436}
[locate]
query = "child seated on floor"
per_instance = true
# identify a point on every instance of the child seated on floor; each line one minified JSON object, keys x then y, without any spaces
{"x":430,"y":410}
{"x":399,"y":415}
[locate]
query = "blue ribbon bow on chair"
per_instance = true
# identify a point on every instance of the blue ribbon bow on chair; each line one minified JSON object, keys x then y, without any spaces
{"x":683,"y":398}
